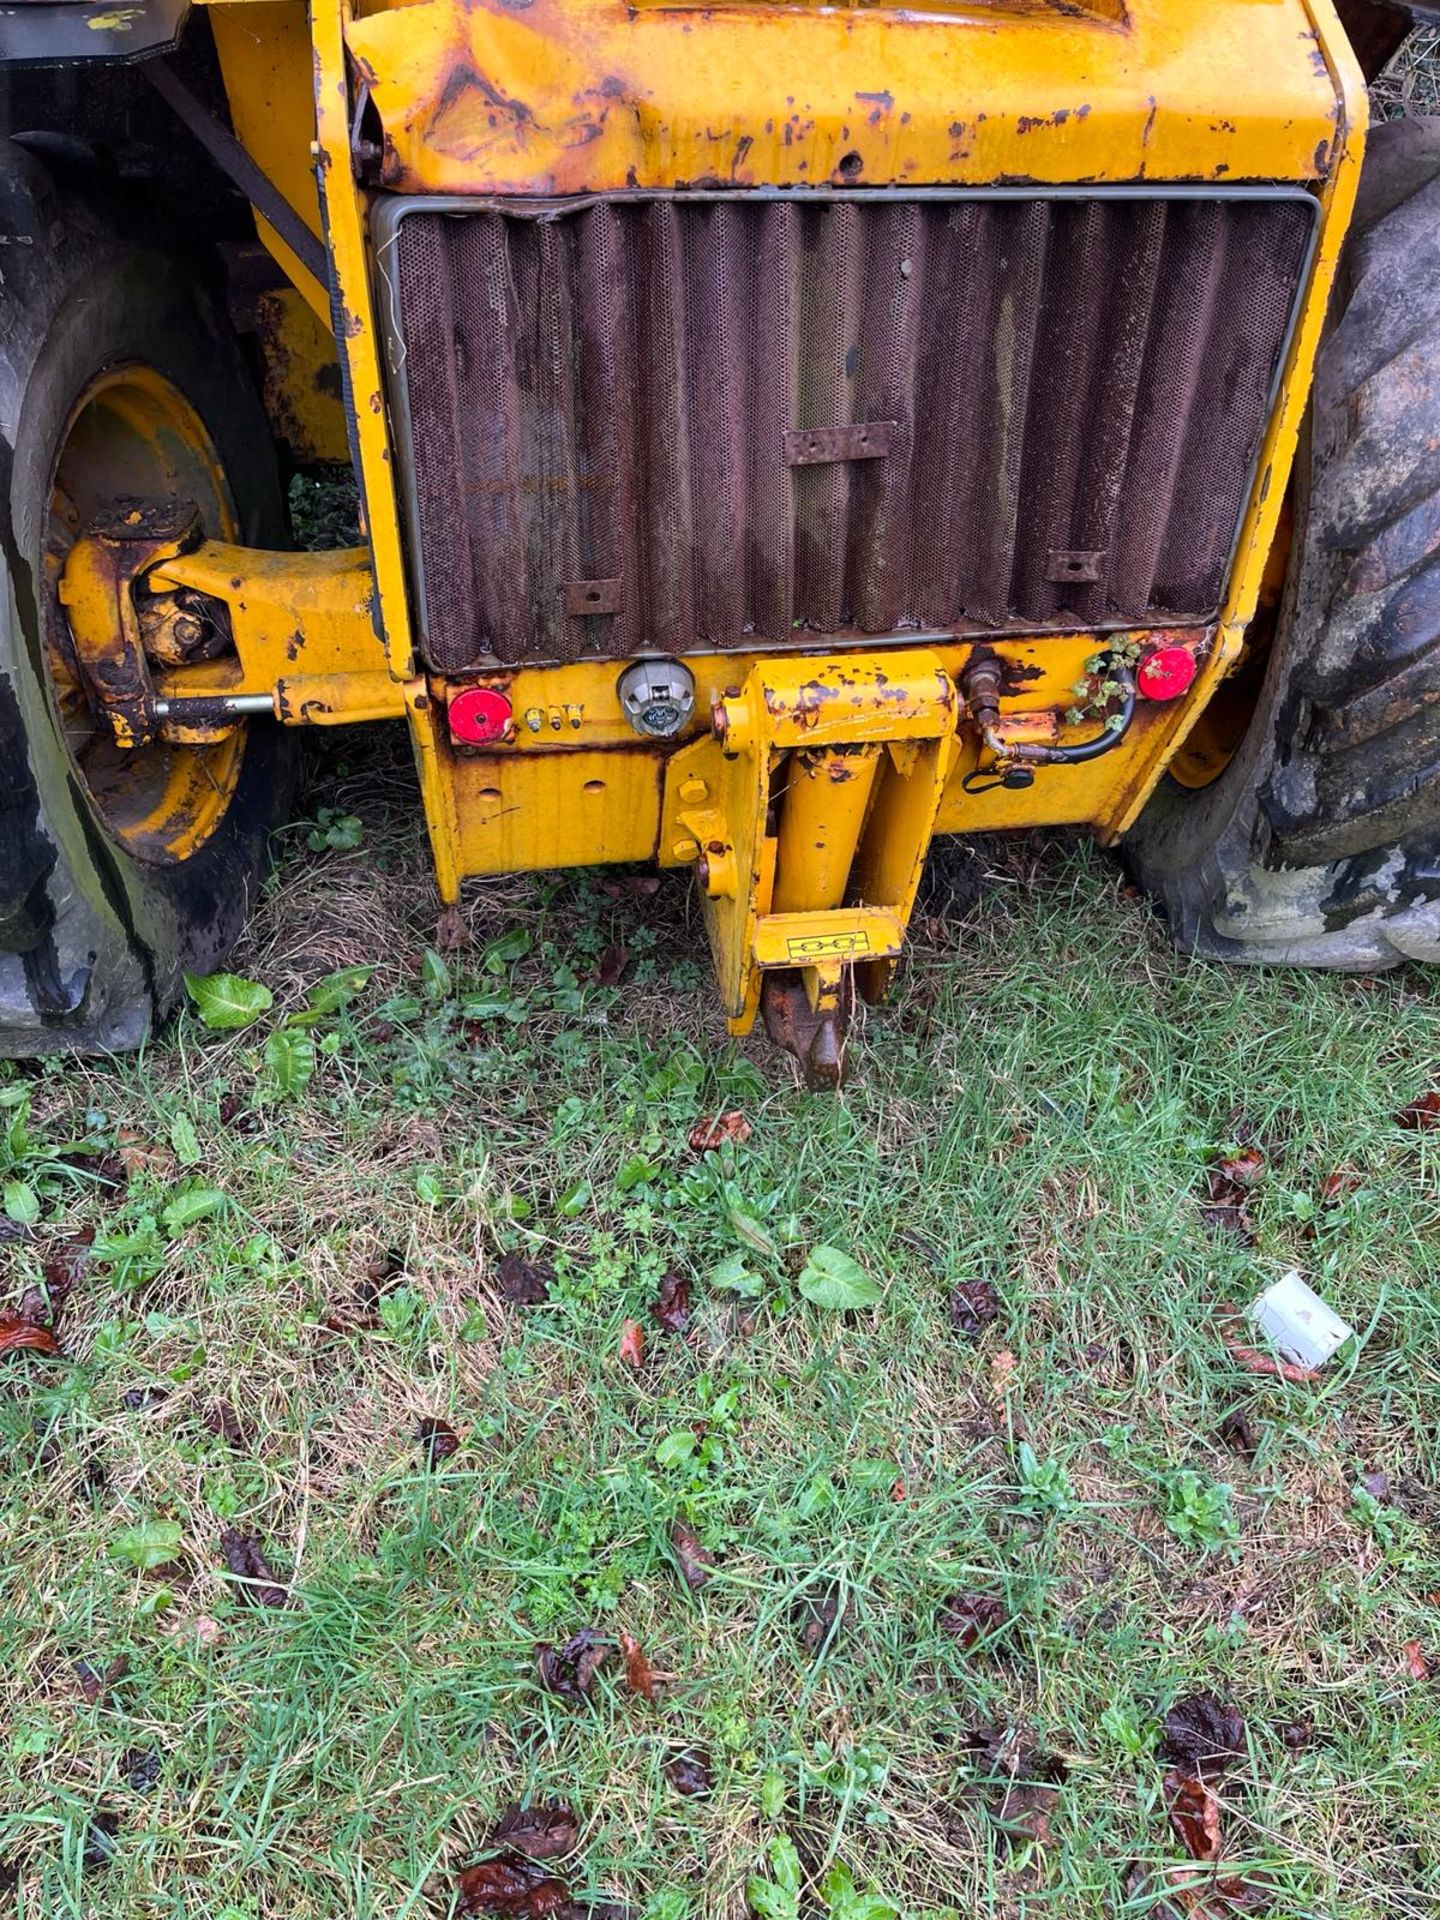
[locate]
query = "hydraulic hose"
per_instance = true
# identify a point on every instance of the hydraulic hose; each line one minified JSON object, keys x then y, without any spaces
{"x":1034,"y":754}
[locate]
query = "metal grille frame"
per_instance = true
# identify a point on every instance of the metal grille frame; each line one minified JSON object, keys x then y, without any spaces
{"x":743,"y":586}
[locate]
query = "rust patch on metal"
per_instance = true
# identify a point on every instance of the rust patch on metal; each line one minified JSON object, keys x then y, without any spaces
{"x":1050,"y":378}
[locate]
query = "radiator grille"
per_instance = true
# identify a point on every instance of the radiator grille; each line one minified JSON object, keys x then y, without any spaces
{"x":606,"y":405}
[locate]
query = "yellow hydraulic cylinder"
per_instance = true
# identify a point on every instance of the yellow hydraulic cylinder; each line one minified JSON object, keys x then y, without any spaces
{"x":827,"y":794}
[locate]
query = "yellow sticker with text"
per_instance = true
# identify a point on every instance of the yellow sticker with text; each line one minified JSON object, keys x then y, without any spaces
{"x":827,"y":946}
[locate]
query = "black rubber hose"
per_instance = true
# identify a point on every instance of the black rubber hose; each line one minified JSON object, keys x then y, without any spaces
{"x":1103,"y":742}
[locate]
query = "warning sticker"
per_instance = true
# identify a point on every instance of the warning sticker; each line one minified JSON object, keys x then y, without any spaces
{"x":827,"y":946}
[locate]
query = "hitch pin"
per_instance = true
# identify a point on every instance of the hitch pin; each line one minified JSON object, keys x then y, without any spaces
{"x":236,"y":703}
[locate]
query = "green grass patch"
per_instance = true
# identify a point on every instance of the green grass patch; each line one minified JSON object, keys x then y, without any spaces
{"x":309,"y":1232}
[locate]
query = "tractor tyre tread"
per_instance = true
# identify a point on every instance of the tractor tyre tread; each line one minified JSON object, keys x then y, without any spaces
{"x":1319,"y":845}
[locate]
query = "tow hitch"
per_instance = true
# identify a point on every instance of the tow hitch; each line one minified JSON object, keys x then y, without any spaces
{"x":811,"y":805}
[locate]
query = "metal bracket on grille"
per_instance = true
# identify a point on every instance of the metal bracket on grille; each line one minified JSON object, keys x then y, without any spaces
{"x":819,"y":446}
{"x":1074,"y":566}
{"x":583,"y":597}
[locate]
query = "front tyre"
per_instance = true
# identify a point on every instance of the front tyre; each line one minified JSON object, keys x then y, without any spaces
{"x":118,"y":871}
{"x":1319,"y":843}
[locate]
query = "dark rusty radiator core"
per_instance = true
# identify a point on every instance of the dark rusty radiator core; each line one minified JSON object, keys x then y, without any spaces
{"x":688,"y":423}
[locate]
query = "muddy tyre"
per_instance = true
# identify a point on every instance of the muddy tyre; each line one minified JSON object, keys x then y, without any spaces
{"x":117,"y":873}
{"x":1319,"y":843}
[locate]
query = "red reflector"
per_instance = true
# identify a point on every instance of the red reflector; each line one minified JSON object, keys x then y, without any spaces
{"x":1165,"y":673}
{"x":479,"y":716}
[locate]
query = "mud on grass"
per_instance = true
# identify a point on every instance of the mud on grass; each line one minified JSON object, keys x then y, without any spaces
{"x":945,"y":1542}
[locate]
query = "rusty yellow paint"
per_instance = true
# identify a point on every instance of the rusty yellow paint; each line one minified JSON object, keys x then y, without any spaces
{"x":824,"y":798}
{"x":345,"y":216}
{"x":754,"y":851}
{"x":570,"y":96}
{"x":808,"y":938}
{"x":160,"y":799}
{"x":303,"y":626}
{"x":265,"y":59}
{"x":302,"y":388}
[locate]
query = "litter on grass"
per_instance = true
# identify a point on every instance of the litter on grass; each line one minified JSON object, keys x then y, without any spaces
{"x":1298,"y":1323}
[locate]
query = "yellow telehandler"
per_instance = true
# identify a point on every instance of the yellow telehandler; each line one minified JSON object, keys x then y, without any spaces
{"x":783,"y":433}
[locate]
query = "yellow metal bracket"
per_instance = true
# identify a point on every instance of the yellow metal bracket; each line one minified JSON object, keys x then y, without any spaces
{"x":807,"y":813}
{"x":303,"y":626}
{"x":179,"y":638}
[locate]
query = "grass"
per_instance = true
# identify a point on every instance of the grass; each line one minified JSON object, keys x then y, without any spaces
{"x":1035,"y":1108}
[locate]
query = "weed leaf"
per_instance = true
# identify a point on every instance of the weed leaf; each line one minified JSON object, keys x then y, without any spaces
{"x":185,"y":1209}
{"x":226,"y":1001}
{"x":184,"y":1140}
{"x":154,"y":1544}
{"x":22,"y":1203}
{"x":733,"y":1275}
{"x":833,"y":1280}
{"x":290,"y":1058}
{"x":749,"y":1232}
{"x":337,"y":989}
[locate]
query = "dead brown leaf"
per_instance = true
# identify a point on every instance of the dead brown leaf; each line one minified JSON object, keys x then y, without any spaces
{"x":511,"y":1884}
{"x":380,"y":1277}
{"x":1194,"y":1814}
{"x":610,"y":968}
{"x":144,"y":1399}
{"x":223,"y":1421}
{"x":971,"y":1617}
{"x":1238,"y":1432}
{"x":525,"y":1283}
{"x":570,"y":1670}
{"x":671,"y":1308}
{"x":1335,"y":1187}
{"x":1269,"y":1365}
{"x":1201,"y":1736}
{"x":1022,"y":1813}
{"x":632,"y":1345}
{"x":137,"y":1155}
{"x":18,"y":1335}
{"x":451,"y":932}
{"x":639,"y":1674}
{"x":235,"y":1113}
{"x":1229,"y":1183}
{"x":1194,"y":1893}
{"x":438,"y":1441}
{"x":96,"y":1682}
{"x":100,"y":1836}
{"x":545,"y":1830}
{"x":973,"y":1305}
{"x":816,"y":1614}
{"x":690,"y":1773}
{"x":1421,"y":1114}
{"x":255,"y":1581}
{"x":695,"y":1562}
{"x":105,"y":1168}
{"x":726,"y":1129}
{"x":1416,"y":1664}
{"x":62,"y":1267}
